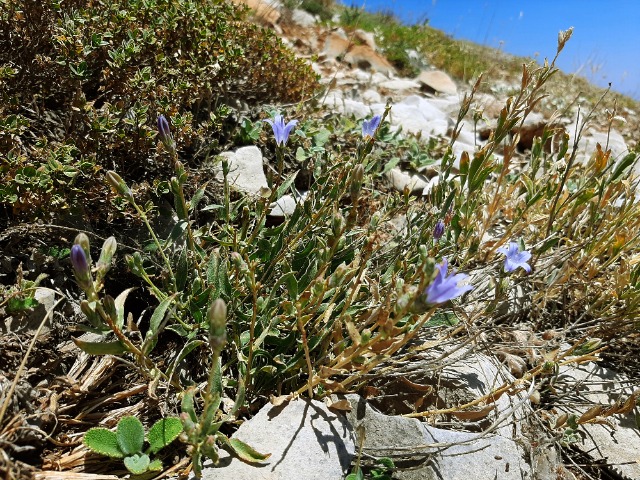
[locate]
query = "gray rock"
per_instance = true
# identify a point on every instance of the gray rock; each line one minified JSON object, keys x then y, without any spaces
{"x":437,"y":81}
{"x":246,"y":172}
{"x":367,"y":38}
{"x":30,"y":320}
{"x":399,"y":85}
{"x":306,"y":441}
{"x":377,"y":78}
{"x":423,"y":452}
{"x":286,"y":205}
{"x":371,"y":96}
{"x":416,"y":115}
{"x":589,"y":385}
{"x":401,"y":180}
{"x":336,"y":101}
{"x":302,"y":18}
{"x":431,"y":184}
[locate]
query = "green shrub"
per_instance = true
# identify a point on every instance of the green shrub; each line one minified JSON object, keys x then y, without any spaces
{"x":83,"y":82}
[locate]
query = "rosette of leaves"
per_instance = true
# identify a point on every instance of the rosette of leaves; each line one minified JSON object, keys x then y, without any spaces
{"x":128,"y":440}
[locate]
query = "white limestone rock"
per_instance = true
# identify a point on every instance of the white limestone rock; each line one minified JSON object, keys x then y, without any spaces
{"x":246,"y":172}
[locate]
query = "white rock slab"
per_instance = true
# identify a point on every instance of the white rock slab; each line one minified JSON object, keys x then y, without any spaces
{"x":306,"y":441}
{"x":246,"y":172}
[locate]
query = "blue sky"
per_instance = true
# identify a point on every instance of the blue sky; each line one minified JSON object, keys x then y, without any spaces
{"x":605,"y":46}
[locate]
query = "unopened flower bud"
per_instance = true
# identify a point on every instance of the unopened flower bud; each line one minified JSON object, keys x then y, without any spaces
{"x":438,"y":230}
{"x":210,"y":449}
{"x":117,"y":184}
{"x":164,"y":134}
{"x":337,"y":223}
{"x":338,"y":275}
{"x":217,"y":317}
{"x":110,"y":308}
{"x":108,"y":251}
{"x":188,"y":424}
{"x":82,"y":240}
{"x":79,"y":261}
{"x":240,"y":264}
{"x":356,"y":183}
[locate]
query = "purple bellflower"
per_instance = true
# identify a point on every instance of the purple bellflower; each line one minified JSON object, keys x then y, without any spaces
{"x":370,"y":126}
{"x":280,"y":130}
{"x":515,"y":258}
{"x":445,"y":287}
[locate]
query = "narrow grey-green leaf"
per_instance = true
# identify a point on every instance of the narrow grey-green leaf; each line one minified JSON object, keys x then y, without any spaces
{"x":182,"y":270}
{"x":245,"y":452}
{"x":101,"y":348}
{"x":154,"y":324}
{"x":186,"y":350}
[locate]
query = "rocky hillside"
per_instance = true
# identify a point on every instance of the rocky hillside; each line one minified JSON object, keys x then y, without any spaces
{"x":327,"y":248}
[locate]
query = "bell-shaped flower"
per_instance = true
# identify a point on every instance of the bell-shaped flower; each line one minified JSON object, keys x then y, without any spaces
{"x":281,"y":130}
{"x":515,"y":258}
{"x":370,"y":126}
{"x":446,"y":287}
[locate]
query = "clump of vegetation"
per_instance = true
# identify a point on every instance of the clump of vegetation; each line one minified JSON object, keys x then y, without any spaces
{"x":83,"y":83}
{"x":324,"y":9}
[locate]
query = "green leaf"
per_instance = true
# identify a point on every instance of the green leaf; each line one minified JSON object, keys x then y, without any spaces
{"x":244,"y":451}
{"x":164,"y":432}
{"x":17,"y":304}
{"x":154,"y":324}
{"x":182,"y":270}
{"x":177,"y":232}
{"x":130,"y":435}
{"x":155,"y":465}
{"x":240,"y":396}
{"x":356,"y":475}
{"x":217,"y":276}
{"x":101,"y":348}
{"x":186,"y":350}
{"x":103,"y":441}
{"x":195,"y":200}
{"x":138,"y":463}
{"x":321,"y":137}
{"x":442,"y":319}
{"x":282,"y":189}
{"x":625,"y":163}
{"x":187,"y":405}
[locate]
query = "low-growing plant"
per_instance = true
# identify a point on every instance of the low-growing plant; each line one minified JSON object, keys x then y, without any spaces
{"x":82,"y":84}
{"x":127,"y":442}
